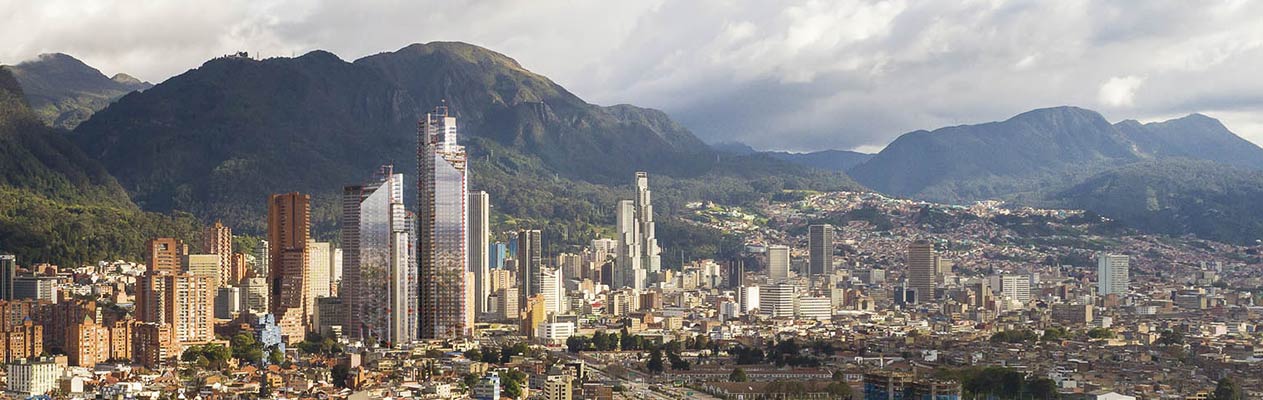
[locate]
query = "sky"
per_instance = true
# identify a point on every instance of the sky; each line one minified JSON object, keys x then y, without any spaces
{"x":796,"y":75}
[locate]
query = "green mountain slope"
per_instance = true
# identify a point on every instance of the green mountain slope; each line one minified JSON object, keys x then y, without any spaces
{"x":216,"y":140}
{"x":58,"y":205}
{"x":1040,"y":151}
{"x":64,"y":91}
{"x":831,"y":160}
{"x":1207,"y":199}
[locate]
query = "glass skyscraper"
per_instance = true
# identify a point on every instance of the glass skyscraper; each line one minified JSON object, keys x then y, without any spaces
{"x":442,"y":218}
{"x":378,"y":276}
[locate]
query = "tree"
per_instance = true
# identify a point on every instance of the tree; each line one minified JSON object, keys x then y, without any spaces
{"x":473,"y":355}
{"x":655,"y":365}
{"x":339,"y":374}
{"x":1100,"y":333}
{"x":490,"y":355}
{"x":244,"y":347}
{"x":1170,"y":337}
{"x":470,"y":380}
{"x":276,"y":356}
{"x":1227,"y":389}
{"x":738,"y":375}
{"x":677,"y":363}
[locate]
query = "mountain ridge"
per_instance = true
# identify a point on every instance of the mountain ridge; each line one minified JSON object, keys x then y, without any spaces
{"x":64,"y":91}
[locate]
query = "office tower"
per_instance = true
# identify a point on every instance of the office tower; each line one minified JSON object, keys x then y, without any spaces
{"x":217,"y":240}
{"x":227,"y":302}
{"x":261,"y":261}
{"x":553,"y":291}
{"x":8,"y":271}
{"x":479,"y":234}
{"x":1017,"y":287}
{"x":164,"y":255}
{"x":748,"y":298}
{"x":289,"y":224}
{"x":629,"y":269}
{"x":329,"y":316}
{"x":495,"y":255}
{"x":254,"y":295}
{"x":508,"y":306}
{"x":777,"y":263}
{"x":36,"y":288}
{"x":442,"y":219}
{"x":736,"y":273}
{"x":318,"y":266}
{"x":1112,"y":274}
{"x":777,"y":300}
{"x":378,"y":272}
{"x":529,"y":263}
{"x":820,"y":249}
{"x":206,"y":265}
{"x":922,"y":269}
{"x":650,"y":252}
{"x":335,"y":271}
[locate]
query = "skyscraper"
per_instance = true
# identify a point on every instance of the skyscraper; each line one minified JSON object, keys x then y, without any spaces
{"x":289,"y":224}
{"x":651,"y":253}
{"x":378,"y":273}
{"x":442,"y":219}
{"x":530,"y":259}
{"x":8,"y":271}
{"x":629,"y":270}
{"x":318,"y":261}
{"x":777,"y":263}
{"x":820,"y":249}
{"x":1112,"y":273}
{"x":479,"y":233}
{"x":922,"y":269}
{"x":217,"y":240}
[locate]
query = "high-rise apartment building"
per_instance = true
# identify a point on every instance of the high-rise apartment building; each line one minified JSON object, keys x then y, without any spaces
{"x":922,"y":272}
{"x":479,"y":236}
{"x":443,"y":232}
{"x":820,"y":249}
{"x":530,"y":263}
{"x":217,"y":240}
{"x":777,"y":263}
{"x":378,"y":274}
{"x":165,"y":255}
{"x":289,"y":225}
{"x":1112,"y":273}
{"x":184,"y":302}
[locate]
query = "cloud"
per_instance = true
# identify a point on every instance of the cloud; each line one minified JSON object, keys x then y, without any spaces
{"x":793,"y":75}
{"x":1120,"y":91}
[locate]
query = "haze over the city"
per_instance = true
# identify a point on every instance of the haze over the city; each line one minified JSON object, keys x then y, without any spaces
{"x":800,"y":76}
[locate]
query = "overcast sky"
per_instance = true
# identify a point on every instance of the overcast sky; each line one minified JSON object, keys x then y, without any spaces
{"x":793,"y":75}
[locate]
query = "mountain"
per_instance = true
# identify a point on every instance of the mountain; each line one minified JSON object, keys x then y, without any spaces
{"x":1196,"y":137}
{"x":832,"y":160}
{"x":1177,"y":196}
{"x":1038,"y":152}
{"x":1024,"y":153}
{"x":735,"y":148}
{"x":64,"y":91}
{"x":58,"y":205}
{"x":216,"y":140}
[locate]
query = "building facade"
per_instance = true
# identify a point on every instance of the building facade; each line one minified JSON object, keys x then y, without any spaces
{"x":289,"y":225}
{"x":443,"y":234}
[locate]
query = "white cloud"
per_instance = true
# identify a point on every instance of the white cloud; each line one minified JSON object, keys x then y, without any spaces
{"x":797,"y":75}
{"x":1120,"y":91}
